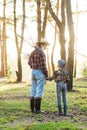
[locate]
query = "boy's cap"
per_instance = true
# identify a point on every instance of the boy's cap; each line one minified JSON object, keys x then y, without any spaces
{"x":43,"y":41}
{"x":61,"y":63}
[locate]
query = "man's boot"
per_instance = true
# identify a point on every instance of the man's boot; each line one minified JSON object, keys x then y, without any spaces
{"x":32,"y":104}
{"x":37,"y":105}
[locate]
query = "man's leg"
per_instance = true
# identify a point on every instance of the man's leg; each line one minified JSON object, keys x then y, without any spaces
{"x":33,"y":92}
{"x":40,"y":86}
{"x":32,"y":104}
{"x":64,"y":100}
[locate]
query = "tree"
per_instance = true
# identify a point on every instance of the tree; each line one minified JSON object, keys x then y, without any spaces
{"x":42,"y":29}
{"x":55,"y":35}
{"x":19,"y":44}
{"x":76,"y":35}
{"x":61,"y":26}
{"x":44,"y":25}
{"x":71,"y":43}
{"x":3,"y":44}
{"x":38,"y":19}
{"x":44,"y":20}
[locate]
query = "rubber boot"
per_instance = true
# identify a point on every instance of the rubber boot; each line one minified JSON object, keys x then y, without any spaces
{"x":60,"y":111}
{"x":37,"y":105}
{"x":32,"y":104}
{"x":65,"y":111}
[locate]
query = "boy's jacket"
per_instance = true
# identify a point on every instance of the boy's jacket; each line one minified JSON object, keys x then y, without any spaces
{"x":60,"y":75}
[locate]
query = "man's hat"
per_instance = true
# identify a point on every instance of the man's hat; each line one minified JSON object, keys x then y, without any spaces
{"x":61,"y":63}
{"x":43,"y":41}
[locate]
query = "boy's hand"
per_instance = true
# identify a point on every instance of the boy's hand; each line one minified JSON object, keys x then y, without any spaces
{"x":49,"y":78}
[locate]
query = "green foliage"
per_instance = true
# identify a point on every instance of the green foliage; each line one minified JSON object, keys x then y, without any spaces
{"x":84,"y":71}
{"x":53,"y":126}
{"x":9,"y":73}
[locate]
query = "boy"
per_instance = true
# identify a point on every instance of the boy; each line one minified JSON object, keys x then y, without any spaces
{"x":61,"y":77}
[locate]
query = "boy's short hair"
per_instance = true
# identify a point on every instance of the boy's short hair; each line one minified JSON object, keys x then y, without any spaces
{"x":61,"y":63}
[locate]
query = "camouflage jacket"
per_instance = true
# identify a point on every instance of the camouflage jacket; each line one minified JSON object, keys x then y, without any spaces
{"x":60,"y":75}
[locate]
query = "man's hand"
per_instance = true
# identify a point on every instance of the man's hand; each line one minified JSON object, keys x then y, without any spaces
{"x":49,"y":78}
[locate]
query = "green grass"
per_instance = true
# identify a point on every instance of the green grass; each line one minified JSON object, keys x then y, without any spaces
{"x":53,"y":126}
{"x":15,"y":112}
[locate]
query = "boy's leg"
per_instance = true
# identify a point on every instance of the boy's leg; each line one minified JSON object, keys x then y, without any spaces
{"x":59,"y":100}
{"x":64,"y":101}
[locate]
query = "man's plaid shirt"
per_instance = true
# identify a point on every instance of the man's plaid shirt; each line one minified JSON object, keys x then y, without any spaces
{"x":37,"y":60}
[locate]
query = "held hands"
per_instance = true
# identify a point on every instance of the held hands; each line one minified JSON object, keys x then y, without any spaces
{"x":49,"y":78}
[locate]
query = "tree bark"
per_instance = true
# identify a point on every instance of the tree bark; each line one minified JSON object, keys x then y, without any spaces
{"x":55,"y":34}
{"x":38,"y":19}
{"x":19,"y":45}
{"x":70,"y":62}
{"x":3,"y":44}
{"x":61,"y":26}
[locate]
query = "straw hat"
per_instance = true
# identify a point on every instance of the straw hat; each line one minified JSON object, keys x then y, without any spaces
{"x":43,"y":41}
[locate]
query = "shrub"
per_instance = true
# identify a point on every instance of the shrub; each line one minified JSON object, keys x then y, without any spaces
{"x":84,"y":71}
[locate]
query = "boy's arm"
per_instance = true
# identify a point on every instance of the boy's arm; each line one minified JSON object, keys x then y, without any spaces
{"x":49,"y":78}
{"x":52,"y":77}
{"x":67,"y":79}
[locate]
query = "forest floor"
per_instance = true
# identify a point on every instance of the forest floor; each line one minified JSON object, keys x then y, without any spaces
{"x":11,"y":93}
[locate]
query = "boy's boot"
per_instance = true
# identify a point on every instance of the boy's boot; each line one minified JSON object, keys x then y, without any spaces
{"x":32,"y":104}
{"x":65,"y":111}
{"x":60,"y":111}
{"x":37,"y":105}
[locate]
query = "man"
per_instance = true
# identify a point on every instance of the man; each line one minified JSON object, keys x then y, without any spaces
{"x":37,"y":62}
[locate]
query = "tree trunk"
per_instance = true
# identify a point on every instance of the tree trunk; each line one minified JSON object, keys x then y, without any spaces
{"x":43,"y":35}
{"x":53,"y":48}
{"x":71,"y":43}
{"x":61,"y":26}
{"x":19,"y":73}
{"x":44,"y":21}
{"x":3,"y":44}
{"x":76,"y":36}
{"x":62,"y":42}
{"x":19,"y":45}
{"x":52,"y":55}
{"x":38,"y":20}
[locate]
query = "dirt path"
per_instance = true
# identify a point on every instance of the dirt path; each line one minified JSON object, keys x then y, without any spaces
{"x":52,"y":117}
{"x":6,"y":86}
